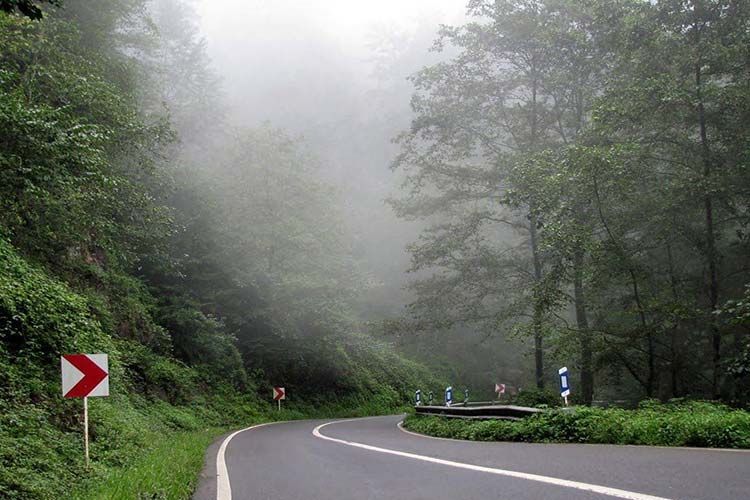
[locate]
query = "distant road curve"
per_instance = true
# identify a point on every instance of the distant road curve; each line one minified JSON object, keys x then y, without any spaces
{"x":372,"y":458}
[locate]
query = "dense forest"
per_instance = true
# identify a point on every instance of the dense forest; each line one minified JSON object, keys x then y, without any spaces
{"x":574,"y":176}
{"x":584,"y":167}
{"x":209,"y":262}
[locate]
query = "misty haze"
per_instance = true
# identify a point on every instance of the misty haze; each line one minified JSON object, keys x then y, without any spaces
{"x":487,"y":220}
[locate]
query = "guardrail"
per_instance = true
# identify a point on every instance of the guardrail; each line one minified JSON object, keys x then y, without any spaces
{"x":505,"y":412}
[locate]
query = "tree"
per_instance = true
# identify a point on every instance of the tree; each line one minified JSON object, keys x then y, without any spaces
{"x":510,"y":94}
{"x":27,"y":7}
{"x":680,"y":88}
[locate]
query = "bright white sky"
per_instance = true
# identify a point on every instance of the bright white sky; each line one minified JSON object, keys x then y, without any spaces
{"x":345,"y":20}
{"x":275,"y":56}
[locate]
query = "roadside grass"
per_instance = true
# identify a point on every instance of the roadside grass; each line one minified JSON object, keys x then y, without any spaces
{"x":167,"y":464}
{"x":167,"y":470}
{"x":693,"y":423}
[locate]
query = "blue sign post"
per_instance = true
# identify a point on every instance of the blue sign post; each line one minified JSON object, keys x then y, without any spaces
{"x":448,"y":395}
{"x":564,"y":384}
{"x":430,"y":396}
{"x":466,"y":397}
{"x":418,"y":397}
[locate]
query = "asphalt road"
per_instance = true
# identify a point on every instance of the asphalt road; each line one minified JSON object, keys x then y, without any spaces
{"x":373,"y":459}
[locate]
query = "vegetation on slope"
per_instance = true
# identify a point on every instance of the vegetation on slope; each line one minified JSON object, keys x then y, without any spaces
{"x":116,"y":237}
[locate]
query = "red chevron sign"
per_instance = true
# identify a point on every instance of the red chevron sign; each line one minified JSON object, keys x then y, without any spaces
{"x":84,"y":375}
{"x":279,"y":393}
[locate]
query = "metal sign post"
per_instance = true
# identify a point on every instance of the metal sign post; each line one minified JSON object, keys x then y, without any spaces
{"x":85,"y":375}
{"x":564,"y":384}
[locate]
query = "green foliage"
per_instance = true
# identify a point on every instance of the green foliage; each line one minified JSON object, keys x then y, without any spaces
{"x":536,"y":398}
{"x":154,"y":398}
{"x":26,"y":7}
{"x":582,"y":168}
{"x":691,"y":423}
{"x":77,"y":180}
{"x":40,"y":318}
{"x":169,"y":470}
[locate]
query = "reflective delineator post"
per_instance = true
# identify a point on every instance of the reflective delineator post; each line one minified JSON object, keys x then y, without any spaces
{"x":564,"y":384}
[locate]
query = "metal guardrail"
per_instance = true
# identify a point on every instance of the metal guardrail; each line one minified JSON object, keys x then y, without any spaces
{"x":506,"y":412}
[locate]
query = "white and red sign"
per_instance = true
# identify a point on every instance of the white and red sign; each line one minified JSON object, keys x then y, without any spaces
{"x":500,"y":388}
{"x":84,"y":375}
{"x":279,"y":393}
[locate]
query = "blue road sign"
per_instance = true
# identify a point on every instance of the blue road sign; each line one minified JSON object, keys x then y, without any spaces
{"x":448,"y":395}
{"x":564,"y":382}
{"x":430,"y":396}
{"x":466,"y":395}
{"x":418,"y":397}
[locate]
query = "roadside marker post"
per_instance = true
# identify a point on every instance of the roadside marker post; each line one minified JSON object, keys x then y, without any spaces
{"x":499,"y":390}
{"x":418,"y":397}
{"x":564,"y":384}
{"x":430,"y":397}
{"x":466,"y":396}
{"x":278,"y":394}
{"x":84,"y":376}
{"x":448,"y":395}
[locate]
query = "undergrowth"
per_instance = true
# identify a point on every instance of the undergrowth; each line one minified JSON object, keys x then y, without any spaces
{"x":149,"y":436}
{"x":683,"y":423}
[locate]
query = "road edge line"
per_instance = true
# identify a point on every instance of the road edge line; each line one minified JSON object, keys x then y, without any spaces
{"x":594,"y":488}
{"x":223,"y":486}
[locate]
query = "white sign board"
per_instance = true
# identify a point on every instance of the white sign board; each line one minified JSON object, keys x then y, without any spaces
{"x":84,"y":375}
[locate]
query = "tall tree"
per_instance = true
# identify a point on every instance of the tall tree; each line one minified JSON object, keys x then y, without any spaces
{"x":523,"y":83}
{"x":680,"y":91}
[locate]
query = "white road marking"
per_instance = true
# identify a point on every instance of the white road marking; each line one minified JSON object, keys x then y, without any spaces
{"x":594,"y":488}
{"x":223,"y":486}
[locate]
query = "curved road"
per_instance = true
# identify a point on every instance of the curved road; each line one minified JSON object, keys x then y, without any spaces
{"x":372,"y":458}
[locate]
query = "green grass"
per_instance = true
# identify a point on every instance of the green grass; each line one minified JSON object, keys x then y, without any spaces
{"x":168,"y":466}
{"x":699,"y":424}
{"x":168,"y":470}
{"x":148,"y":438}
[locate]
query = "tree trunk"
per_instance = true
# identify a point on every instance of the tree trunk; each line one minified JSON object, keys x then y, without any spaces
{"x":675,"y":364}
{"x":537,"y":318}
{"x":587,"y":370}
{"x":711,"y":257}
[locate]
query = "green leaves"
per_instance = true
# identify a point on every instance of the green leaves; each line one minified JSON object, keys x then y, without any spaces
{"x":77,"y":176}
{"x":27,"y":7}
{"x":678,"y":423}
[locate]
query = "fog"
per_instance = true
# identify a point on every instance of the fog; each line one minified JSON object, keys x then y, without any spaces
{"x":494,"y":188}
{"x":334,"y":73}
{"x":474,"y":146}
{"x":291,"y":62}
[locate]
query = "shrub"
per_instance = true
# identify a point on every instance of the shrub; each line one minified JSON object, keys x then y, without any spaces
{"x":693,"y":423}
